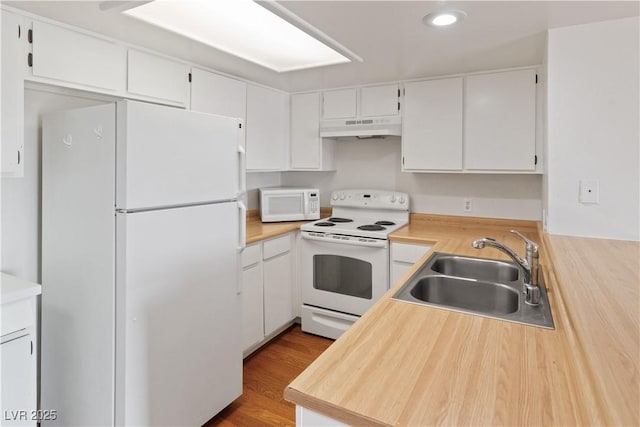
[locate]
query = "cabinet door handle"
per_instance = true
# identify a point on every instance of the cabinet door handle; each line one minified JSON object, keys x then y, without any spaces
{"x":18,"y":156}
{"x":31,"y":347}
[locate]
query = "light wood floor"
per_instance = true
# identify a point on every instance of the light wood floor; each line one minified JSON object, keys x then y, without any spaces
{"x":266,"y":373}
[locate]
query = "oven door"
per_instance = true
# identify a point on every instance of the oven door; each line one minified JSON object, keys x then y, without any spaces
{"x":343,"y":275}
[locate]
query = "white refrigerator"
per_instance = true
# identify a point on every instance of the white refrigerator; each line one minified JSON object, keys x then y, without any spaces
{"x":142,"y":228}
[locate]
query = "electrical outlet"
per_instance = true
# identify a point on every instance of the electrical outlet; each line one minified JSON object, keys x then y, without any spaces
{"x":589,"y":191}
{"x":467,"y":205}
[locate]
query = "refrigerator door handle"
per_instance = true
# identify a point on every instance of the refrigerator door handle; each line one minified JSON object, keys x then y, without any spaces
{"x":242,"y":219}
{"x":242,"y":169}
{"x":242,"y":222}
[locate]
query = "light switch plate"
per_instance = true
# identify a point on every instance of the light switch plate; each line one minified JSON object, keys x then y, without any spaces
{"x":589,"y":191}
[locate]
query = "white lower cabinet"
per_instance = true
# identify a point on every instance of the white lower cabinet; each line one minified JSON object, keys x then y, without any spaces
{"x":252,"y":298}
{"x":278,"y":283}
{"x":403,"y":257}
{"x":18,"y":381}
{"x":268,"y":292}
{"x":308,"y":418}
{"x":18,"y":353}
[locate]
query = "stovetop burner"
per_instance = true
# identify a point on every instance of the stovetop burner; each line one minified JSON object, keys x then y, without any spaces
{"x":337,"y":219}
{"x":385,"y":223}
{"x":371,"y":227}
{"x":324,"y":224}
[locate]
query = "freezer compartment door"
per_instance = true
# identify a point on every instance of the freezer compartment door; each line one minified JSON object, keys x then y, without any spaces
{"x":168,"y":156}
{"x":178,"y":336}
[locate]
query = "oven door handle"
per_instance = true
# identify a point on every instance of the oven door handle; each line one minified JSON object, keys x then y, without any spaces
{"x":330,"y":239}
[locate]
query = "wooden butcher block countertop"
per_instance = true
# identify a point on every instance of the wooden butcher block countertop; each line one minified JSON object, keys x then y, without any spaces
{"x":404,"y":364}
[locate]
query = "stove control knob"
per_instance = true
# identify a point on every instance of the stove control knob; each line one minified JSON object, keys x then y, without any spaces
{"x":342,"y":197}
{"x":401,"y":200}
{"x":335,"y":197}
{"x":392,"y":199}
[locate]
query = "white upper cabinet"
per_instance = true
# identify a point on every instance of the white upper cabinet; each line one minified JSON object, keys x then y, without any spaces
{"x":216,"y":94}
{"x":379,"y":101}
{"x":76,"y":57}
{"x":483,"y":123}
{"x":308,"y":150}
{"x":371,"y":101}
{"x":432,"y":125}
{"x":12,"y":80}
{"x":339,"y":104}
{"x":267,"y":126}
{"x":500,"y":121}
{"x":157,"y":77}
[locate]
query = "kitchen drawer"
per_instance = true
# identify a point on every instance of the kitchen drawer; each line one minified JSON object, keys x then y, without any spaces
{"x":277,"y":246}
{"x":408,"y":253}
{"x":251,"y":255}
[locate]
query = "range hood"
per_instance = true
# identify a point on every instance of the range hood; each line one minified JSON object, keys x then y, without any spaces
{"x":375,"y":127}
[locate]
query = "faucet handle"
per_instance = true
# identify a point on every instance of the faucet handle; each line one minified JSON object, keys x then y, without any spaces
{"x":531,"y":246}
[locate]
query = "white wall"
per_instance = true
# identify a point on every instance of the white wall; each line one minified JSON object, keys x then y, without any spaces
{"x":593,"y":128}
{"x":256,"y":180}
{"x":21,"y":196}
{"x":375,"y":164}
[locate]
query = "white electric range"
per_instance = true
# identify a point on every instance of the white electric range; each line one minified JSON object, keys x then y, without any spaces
{"x":345,"y":258}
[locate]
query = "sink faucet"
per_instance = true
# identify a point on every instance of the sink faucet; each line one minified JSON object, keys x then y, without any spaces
{"x":529,"y":268}
{"x":532,"y":254}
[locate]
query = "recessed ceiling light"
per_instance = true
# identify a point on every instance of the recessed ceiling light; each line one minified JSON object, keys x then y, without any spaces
{"x":242,"y":28}
{"x":442,"y":19}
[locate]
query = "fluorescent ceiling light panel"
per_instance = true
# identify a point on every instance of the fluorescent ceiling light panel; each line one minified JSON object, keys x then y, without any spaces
{"x":242,"y":28}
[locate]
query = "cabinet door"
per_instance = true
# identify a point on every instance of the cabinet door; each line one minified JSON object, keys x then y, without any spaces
{"x":157,"y":77}
{"x":76,"y":57}
{"x":305,"y":131}
{"x":432,"y":125}
{"x":18,"y":381}
{"x":500,"y":121}
{"x":379,"y":101}
{"x":252,"y":306}
{"x":278,"y":292}
{"x":278,"y":283}
{"x":216,"y":94}
{"x":403,"y":257}
{"x":267,"y":129}
{"x":12,"y":82}
{"x":339,"y":104}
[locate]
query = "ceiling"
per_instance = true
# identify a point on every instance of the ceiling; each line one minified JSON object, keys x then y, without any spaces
{"x":388,"y":35}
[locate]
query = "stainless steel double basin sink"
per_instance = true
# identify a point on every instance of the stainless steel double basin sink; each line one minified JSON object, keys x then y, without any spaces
{"x":484,"y":287}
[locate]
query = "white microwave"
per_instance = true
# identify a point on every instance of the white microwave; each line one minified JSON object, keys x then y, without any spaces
{"x":289,"y":204}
